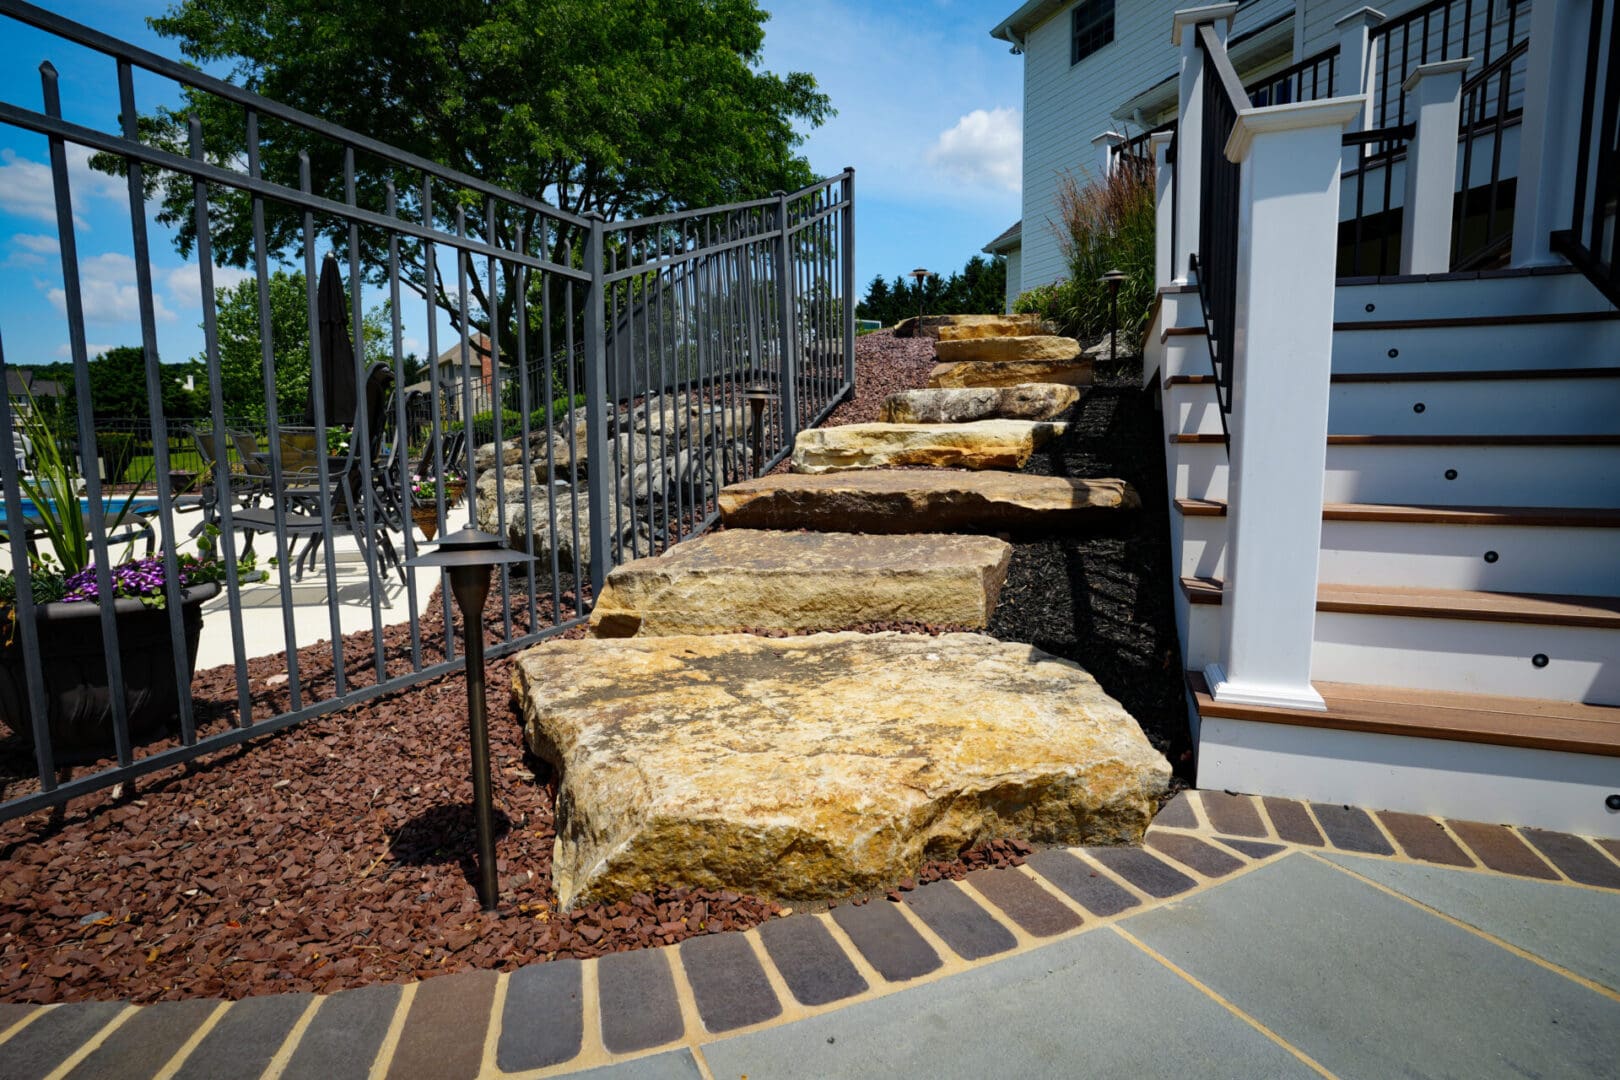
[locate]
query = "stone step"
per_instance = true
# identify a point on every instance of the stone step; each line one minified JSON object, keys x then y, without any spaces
{"x":796,"y":768}
{"x":983,"y":444}
{"x":746,"y":579}
{"x":917,"y":500}
{"x":1005,"y":349}
{"x":1036,"y":401}
{"x":991,"y":326}
{"x":969,"y":373}
{"x":931,"y":325}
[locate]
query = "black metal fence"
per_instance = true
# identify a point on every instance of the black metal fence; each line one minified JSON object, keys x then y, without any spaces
{"x":628,"y":350}
{"x":1217,"y":257}
{"x":1442,"y":30}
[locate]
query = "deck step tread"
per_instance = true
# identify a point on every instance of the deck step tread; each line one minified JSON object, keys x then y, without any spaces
{"x":1565,"y":517}
{"x":1535,"y":723}
{"x":1593,"y":612}
{"x":1459,"y":321}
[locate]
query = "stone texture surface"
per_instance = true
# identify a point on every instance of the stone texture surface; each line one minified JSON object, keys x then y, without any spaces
{"x":820,"y":765}
{"x":960,"y":405}
{"x":931,"y":325}
{"x":1010,"y":373}
{"x":984,"y":444}
{"x":913,"y":500}
{"x":1002,"y":349}
{"x":745,"y":579}
{"x":990,"y":326}
{"x":810,"y":961}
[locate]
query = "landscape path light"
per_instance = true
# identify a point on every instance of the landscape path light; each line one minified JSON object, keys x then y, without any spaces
{"x":469,"y":555}
{"x":1113,"y":279}
{"x":922,"y":277}
{"x":759,"y":395}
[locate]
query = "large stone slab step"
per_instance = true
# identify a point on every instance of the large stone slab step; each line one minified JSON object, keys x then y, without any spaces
{"x":1076,"y":372}
{"x":992,"y":326}
{"x":916,"y":500}
{"x":817,"y":766}
{"x":744,"y":579}
{"x":1004,"y":349}
{"x":1038,"y":401}
{"x":932,"y":325}
{"x":983,"y":444}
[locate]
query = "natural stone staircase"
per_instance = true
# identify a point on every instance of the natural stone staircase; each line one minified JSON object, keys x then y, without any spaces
{"x":821,"y":764}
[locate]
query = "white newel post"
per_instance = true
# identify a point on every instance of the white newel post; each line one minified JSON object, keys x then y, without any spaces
{"x":1189,"y":137}
{"x":1434,"y":92}
{"x":1106,"y":145}
{"x":1550,"y":131}
{"x":1356,"y":70}
{"x":1288,"y":222}
{"x":1164,"y":209}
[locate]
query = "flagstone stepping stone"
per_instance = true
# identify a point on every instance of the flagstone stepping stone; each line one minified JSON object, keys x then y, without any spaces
{"x":983,"y":444}
{"x":744,"y":579}
{"x":991,"y":326}
{"x":917,"y":500}
{"x":1038,"y":401}
{"x":1004,"y":349}
{"x":817,"y":766}
{"x":1010,"y":373}
{"x":931,"y":325}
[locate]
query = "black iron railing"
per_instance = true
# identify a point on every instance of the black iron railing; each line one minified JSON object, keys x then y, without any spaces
{"x":1309,"y":80}
{"x":1482,"y":226}
{"x":624,"y":350}
{"x":1216,"y":262}
{"x":1442,"y":30}
{"x":1592,"y":242}
{"x":1375,"y":224}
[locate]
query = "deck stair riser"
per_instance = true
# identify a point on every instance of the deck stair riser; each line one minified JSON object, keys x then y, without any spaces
{"x":1515,"y":294}
{"x":1535,"y":475}
{"x":1587,"y":343}
{"x":1482,"y":656}
{"x":1528,"y":405}
{"x":1574,"y":561}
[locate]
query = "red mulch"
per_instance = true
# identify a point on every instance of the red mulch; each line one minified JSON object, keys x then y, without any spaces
{"x":337,"y":852}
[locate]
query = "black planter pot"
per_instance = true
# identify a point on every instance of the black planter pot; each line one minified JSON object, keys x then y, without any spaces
{"x":78,"y":699}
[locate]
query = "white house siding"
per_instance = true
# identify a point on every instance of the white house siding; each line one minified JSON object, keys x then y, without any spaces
{"x":1066,"y":106}
{"x":1015,"y":268}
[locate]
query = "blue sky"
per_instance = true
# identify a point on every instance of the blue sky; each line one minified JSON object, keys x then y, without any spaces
{"x":928,"y":113}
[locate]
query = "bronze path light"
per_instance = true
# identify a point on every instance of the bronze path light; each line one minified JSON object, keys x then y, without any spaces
{"x":1113,"y":279}
{"x":469,"y":555}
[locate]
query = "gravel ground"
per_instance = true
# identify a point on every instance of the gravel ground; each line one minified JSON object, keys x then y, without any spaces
{"x":336,"y":853}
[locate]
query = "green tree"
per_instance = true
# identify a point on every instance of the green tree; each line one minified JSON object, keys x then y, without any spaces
{"x":594,"y":105}
{"x":979,"y":288}
{"x":241,"y":356}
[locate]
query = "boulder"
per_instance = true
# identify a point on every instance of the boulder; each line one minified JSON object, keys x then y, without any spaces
{"x":983,"y":444}
{"x":921,"y":500}
{"x":994,"y":326}
{"x":1010,"y":373}
{"x":930,"y":325}
{"x":512,"y":451}
{"x":1002,"y":349}
{"x":741,"y":579}
{"x":798,"y":768}
{"x":958,"y":405}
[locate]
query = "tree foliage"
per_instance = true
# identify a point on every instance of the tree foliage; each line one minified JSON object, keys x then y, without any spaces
{"x":594,"y":105}
{"x":979,"y":288}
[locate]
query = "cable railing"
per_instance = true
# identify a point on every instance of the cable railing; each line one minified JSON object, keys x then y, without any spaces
{"x":626,"y":348}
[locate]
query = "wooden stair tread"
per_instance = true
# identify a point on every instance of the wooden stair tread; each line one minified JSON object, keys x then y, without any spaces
{"x":1460,"y":321}
{"x":1593,"y":612}
{"x":1555,"y":516}
{"x":1430,"y":440}
{"x":1528,"y":722}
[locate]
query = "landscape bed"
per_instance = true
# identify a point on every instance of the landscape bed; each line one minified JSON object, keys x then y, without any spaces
{"x":338,"y":852}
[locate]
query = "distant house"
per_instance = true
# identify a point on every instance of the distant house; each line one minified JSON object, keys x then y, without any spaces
{"x":449,"y":374}
{"x":1097,"y":72}
{"x":22,"y":385}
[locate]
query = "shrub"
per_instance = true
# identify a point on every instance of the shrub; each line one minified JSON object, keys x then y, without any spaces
{"x":1107,"y":225}
{"x":483,"y":429}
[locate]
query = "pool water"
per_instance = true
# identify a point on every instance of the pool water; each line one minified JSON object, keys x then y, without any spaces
{"x":110,"y":506}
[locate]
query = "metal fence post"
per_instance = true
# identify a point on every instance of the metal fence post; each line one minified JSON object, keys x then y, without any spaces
{"x":597,"y":405}
{"x":846,"y":248}
{"x":785,"y":323}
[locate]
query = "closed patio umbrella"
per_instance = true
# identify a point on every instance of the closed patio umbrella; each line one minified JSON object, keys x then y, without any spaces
{"x":336,"y":357}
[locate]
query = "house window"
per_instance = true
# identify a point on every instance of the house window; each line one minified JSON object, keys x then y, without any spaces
{"x":1093,"y":27}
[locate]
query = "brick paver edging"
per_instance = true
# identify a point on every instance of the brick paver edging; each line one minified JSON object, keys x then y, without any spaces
{"x":566,"y":1015}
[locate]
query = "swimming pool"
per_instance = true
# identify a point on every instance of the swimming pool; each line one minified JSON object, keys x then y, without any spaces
{"x":111,"y":506}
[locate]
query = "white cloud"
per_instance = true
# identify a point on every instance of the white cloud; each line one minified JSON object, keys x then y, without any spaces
{"x":31,"y":250}
{"x":26,"y":190}
{"x":185,"y":282}
{"x":91,"y":351}
{"x":983,"y":148}
{"x":107,"y":285}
